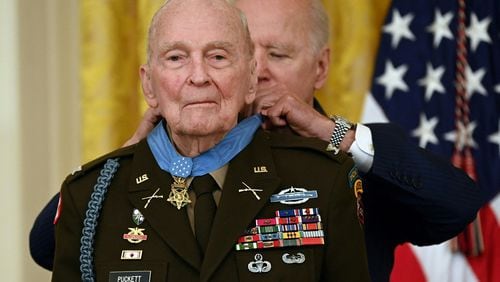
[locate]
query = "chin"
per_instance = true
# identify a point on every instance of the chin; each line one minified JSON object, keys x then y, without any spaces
{"x":203,"y":128}
{"x":205,"y":124}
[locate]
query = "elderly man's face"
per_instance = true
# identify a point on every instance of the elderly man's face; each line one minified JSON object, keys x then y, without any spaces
{"x":281,"y":32}
{"x":200,"y":69}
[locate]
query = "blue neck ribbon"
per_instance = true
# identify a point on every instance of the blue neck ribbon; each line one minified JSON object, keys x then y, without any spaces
{"x":171,"y":161}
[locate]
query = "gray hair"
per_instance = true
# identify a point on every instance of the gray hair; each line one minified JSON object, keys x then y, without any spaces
{"x":320,"y":25}
{"x":154,"y":24}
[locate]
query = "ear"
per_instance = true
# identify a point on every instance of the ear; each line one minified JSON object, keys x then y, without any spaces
{"x":147,"y":88}
{"x":322,"y":65}
{"x":252,"y":90}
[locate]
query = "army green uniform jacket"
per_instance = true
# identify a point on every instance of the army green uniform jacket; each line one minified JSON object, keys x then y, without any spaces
{"x":271,"y":162}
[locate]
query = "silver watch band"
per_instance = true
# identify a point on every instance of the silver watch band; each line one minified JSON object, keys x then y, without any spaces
{"x":339,"y":131}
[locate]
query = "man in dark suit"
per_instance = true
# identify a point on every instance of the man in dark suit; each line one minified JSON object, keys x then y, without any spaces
{"x":207,"y":197}
{"x":409,"y":194}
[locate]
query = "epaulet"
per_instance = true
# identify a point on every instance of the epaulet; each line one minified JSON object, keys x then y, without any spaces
{"x":293,"y":141}
{"x":99,"y":162}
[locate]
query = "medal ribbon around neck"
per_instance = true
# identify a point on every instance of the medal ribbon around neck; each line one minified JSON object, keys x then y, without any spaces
{"x":181,"y":167}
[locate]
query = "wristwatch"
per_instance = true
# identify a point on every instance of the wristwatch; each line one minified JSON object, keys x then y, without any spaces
{"x":342,"y":125}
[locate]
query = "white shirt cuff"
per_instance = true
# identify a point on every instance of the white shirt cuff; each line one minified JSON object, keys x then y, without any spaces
{"x":362,"y":148}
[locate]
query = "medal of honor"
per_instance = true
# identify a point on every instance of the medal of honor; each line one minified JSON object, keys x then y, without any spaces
{"x":179,"y":196}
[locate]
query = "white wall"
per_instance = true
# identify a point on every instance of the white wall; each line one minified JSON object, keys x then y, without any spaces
{"x":39,"y":119}
{"x":10,"y":194}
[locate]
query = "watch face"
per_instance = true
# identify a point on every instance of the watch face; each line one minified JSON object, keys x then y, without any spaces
{"x":347,"y":123}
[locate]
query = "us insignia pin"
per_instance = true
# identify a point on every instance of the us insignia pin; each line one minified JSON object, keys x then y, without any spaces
{"x":260,"y":169}
{"x":142,"y":178}
{"x":294,"y":196}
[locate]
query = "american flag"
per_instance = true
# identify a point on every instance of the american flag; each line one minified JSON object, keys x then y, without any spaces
{"x":415,"y":85}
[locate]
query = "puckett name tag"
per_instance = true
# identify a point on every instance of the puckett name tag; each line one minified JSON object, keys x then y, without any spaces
{"x":130,"y":276}
{"x":294,"y":196}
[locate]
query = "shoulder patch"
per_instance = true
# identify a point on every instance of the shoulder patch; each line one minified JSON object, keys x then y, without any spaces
{"x":98,"y":163}
{"x":356,"y":184}
{"x":293,"y":141}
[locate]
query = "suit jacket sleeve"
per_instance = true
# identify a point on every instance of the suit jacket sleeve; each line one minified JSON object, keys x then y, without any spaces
{"x":414,"y":195}
{"x":41,"y":240}
{"x":67,"y":251}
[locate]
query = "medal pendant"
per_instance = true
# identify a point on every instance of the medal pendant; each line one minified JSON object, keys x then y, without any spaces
{"x":179,"y":196}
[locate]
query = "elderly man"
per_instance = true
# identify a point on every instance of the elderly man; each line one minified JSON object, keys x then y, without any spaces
{"x":205,"y":197}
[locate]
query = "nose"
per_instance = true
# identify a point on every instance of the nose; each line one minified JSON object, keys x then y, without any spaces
{"x":199,"y":75}
{"x":262,"y":69}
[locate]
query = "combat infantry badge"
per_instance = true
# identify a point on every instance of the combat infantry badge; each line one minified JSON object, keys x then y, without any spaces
{"x":294,"y":196}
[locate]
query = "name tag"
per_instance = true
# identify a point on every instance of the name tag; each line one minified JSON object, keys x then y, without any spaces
{"x":130,"y":276}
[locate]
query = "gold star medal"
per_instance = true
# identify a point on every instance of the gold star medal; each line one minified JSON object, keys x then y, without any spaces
{"x":179,"y":196}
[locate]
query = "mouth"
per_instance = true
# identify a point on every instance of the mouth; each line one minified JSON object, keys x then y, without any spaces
{"x":201,"y":104}
{"x":262,"y":79}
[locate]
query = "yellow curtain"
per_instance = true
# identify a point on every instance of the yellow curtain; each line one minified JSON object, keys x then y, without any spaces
{"x":113,"y":35}
{"x":355,"y":32}
{"x":113,"y":40}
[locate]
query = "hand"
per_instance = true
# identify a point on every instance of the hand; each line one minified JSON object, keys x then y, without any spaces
{"x":263,"y":100}
{"x":281,"y":107}
{"x":266,"y":98}
{"x":149,"y":120}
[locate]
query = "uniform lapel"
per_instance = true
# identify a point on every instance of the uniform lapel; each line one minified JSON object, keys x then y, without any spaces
{"x":236,"y":209}
{"x":169,"y":222}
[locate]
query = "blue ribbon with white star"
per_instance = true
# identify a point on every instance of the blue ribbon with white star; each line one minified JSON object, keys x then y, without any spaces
{"x":169,"y":159}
